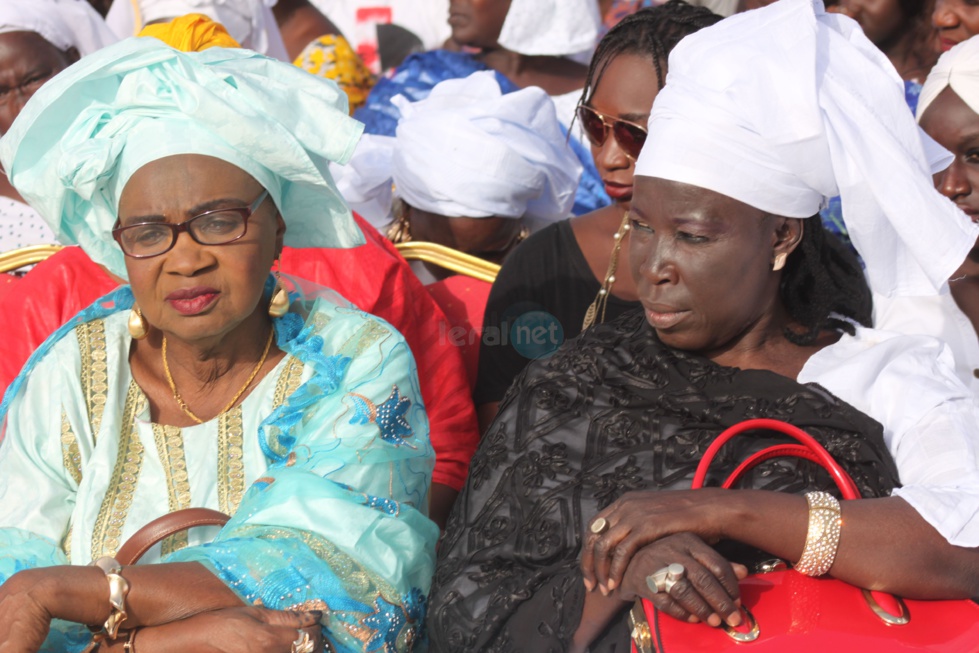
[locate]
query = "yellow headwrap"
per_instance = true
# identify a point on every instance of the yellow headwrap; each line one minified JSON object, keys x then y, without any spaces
{"x":191,"y":33}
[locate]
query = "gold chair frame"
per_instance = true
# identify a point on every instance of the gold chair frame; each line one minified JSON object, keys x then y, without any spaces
{"x":18,"y":258}
{"x":449,"y":259}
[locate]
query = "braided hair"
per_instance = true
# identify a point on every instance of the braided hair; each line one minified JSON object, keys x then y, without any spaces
{"x":651,"y":32}
{"x":823,"y":286}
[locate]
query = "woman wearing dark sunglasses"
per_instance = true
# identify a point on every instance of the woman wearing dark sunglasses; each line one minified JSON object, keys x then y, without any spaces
{"x":577,"y":270}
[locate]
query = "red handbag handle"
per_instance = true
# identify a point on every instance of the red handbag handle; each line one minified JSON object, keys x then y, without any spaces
{"x":814,"y":452}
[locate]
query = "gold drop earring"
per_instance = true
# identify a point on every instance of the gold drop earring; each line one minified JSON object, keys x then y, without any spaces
{"x":779,"y":261}
{"x":279,"y":305}
{"x":139,"y":328}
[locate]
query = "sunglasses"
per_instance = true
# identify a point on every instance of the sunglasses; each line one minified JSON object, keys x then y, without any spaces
{"x":628,"y":135}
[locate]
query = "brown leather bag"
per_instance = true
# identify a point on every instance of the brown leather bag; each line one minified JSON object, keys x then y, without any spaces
{"x":142,"y":540}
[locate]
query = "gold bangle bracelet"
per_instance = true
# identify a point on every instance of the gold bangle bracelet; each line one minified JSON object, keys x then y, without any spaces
{"x":823,"y":537}
{"x":118,"y":590}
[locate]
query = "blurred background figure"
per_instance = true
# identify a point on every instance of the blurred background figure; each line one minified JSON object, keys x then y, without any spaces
{"x":38,"y":39}
{"x":384,"y":32}
{"x":527,"y":43}
{"x":956,"y":21}
{"x":901,"y":29}
{"x":947,"y":111}
{"x":469,"y":167}
{"x":250,"y":22}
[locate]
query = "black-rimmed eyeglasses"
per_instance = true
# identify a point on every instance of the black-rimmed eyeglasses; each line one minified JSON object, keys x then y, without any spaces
{"x":217,"y":227}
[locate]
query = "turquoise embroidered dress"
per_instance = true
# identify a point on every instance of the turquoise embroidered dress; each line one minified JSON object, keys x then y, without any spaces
{"x":325,"y":468}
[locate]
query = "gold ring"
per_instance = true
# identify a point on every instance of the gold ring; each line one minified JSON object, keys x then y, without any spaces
{"x":303,"y":644}
{"x":599,"y":526}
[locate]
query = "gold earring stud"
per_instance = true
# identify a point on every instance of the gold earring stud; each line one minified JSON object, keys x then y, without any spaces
{"x":138,"y":326}
{"x":779,"y":262}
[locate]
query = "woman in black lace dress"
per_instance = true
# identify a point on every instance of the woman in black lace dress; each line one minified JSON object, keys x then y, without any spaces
{"x":578,"y":493}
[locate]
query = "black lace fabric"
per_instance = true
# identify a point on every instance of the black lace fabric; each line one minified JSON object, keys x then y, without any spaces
{"x":610,"y":412}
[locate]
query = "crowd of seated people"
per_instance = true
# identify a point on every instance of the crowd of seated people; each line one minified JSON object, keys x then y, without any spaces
{"x":437,"y":310}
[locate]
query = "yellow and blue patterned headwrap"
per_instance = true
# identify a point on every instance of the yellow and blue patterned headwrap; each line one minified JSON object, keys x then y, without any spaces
{"x":83,"y":135}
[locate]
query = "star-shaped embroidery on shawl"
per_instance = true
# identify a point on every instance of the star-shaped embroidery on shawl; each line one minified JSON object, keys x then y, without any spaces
{"x":388,"y":416}
{"x":386,"y":622}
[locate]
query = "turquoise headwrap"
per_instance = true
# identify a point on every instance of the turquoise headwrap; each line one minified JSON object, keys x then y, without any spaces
{"x":83,"y":135}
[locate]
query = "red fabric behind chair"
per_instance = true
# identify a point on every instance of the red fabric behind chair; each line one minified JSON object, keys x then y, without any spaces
{"x":463,"y":300}
{"x":7,"y":282}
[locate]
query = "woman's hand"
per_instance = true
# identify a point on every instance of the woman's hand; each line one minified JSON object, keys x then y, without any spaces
{"x":708,"y":590}
{"x":640,"y":518}
{"x":233,"y":630}
{"x":25,"y":616}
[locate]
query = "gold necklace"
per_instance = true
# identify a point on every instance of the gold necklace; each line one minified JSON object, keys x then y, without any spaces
{"x":601,"y":299}
{"x":183,"y":405}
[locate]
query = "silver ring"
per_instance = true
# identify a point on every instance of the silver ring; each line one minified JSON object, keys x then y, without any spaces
{"x":663,"y":580}
{"x":599,"y":526}
{"x":303,"y":643}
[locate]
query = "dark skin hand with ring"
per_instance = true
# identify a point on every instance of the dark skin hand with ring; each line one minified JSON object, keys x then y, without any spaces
{"x":703,"y":266}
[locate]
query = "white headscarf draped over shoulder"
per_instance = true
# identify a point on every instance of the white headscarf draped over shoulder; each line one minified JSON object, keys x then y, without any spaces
{"x":83,"y":134}
{"x":63,"y":23}
{"x":250,"y":22}
{"x":785,"y":106}
{"x":467,"y":150}
{"x":556,"y":28}
{"x":958,"y":68}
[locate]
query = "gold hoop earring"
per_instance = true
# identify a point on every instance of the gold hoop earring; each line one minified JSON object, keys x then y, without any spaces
{"x":279,"y":305}
{"x":779,"y":261}
{"x":139,"y":328}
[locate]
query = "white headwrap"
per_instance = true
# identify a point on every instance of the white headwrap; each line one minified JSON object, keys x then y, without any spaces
{"x":958,"y":68}
{"x":467,"y":150}
{"x":250,"y":22}
{"x":63,"y":23}
{"x":555,"y":28}
{"x":785,"y":106}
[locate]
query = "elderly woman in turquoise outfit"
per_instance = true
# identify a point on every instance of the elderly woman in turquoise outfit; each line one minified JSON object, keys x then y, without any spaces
{"x":208,"y":381}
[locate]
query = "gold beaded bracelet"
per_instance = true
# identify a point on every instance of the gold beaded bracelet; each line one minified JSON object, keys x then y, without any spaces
{"x":823,"y":537}
{"x":118,"y":590}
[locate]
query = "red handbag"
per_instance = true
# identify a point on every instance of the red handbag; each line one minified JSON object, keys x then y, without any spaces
{"x":786,"y":611}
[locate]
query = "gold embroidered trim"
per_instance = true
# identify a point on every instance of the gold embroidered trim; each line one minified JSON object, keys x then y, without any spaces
{"x":66,"y":543}
{"x":363,"y":338}
{"x":170,"y":445}
{"x":231,"y":461}
{"x":70,"y":456}
{"x":119,"y":495}
{"x":95,"y":386}
{"x":288,"y":381}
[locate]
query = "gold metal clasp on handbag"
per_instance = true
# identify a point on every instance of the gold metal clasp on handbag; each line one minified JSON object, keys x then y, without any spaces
{"x":641,"y":635}
{"x":889,"y":618}
{"x":748,"y":621}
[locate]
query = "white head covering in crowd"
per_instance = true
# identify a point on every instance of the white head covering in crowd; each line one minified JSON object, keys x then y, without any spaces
{"x":78,"y":141}
{"x":467,"y":150}
{"x":553,"y":28}
{"x":63,"y":23}
{"x":250,"y":22}
{"x":785,"y":106}
{"x":958,"y":68}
